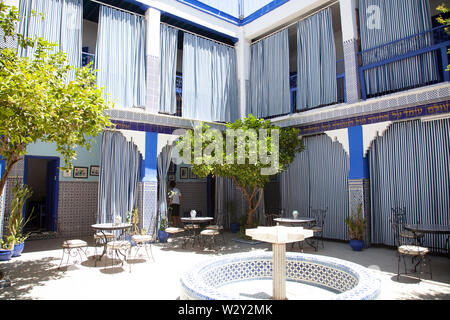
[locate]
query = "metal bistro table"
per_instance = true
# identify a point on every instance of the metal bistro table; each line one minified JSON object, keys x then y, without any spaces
{"x":433,"y":229}
{"x":195,"y":232}
{"x":295,"y":222}
{"x":102,"y":227}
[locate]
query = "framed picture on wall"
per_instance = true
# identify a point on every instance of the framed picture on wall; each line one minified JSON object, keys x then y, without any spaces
{"x":95,"y":171}
{"x":67,"y":173}
{"x":171,"y":177}
{"x":192,"y":175}
{"x":80,"y":172}
{"x":184,"y":173}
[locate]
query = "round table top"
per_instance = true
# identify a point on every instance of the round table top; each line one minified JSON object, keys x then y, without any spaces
{"x":429,"y":228}
{"x":196,"y":219}
{"x":296,"y":220}
{"x":111,"y":226}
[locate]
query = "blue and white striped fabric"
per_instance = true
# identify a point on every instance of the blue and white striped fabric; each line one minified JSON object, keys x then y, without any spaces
{"x":169,"y":48}
{"x":316,"y":62}
{"x":318,"y":179}
{"x":164,"y":159}
{"x":120,"y":57}
{"x":210,"y":89}
{"x":119,"y":176}
{"x":398,"y":19}
{"x":269,"y":92}
{"x":62,"y":24}
{"x":409,"y":168}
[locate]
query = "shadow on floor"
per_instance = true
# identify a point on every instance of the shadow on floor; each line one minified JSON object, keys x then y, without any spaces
{"x":25,"y":275}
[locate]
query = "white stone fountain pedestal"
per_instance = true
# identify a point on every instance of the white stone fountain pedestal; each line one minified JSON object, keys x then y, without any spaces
{"x":279,"y":236}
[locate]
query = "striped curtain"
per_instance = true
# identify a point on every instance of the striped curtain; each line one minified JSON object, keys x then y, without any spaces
{"x":120,"y":57}
{"x":318,"y":179}
{"x":409,"y":168}
{"x":398,"y":19}
{"x":62,"y":24}
{"x":269,"y":92}
{"x":316,"y":62}
{"x":210,"y":89}
{"x":119,"y":176}
{"x":164,"y":159}
{"x":169,"y":48}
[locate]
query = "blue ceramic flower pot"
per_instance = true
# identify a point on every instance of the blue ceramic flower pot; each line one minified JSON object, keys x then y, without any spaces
{"x":5,"y":255}
{"x":234,"y":227}
{"x":18,"y":248}
{"x":357,"y":245}
{"x":163,"y":236}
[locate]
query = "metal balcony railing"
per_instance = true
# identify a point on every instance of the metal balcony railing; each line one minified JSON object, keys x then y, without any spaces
{"x":86,"y":58}
{"x":393,"y":72}
{"x":341,"y":89}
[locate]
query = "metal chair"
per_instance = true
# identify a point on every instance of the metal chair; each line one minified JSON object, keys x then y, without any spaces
{"x":319,"y":215}
{"x":399,"y":217}
{"x":176,"y":231}
{"x":214,"y":230}
{"x":119,"y":248}
{"x":143,"y":241}
{"x":72,"y":248}
{"x":419,"y":255}
{"x":101,"y":239}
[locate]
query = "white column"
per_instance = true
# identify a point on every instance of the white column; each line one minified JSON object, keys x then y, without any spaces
{"x":243,"y":71}
{"x":350,"y":44}
{"x":279,"y":271}
{"x":153,"y":59}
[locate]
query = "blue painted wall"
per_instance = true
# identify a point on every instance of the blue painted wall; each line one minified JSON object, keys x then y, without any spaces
{"x":149,"y":171}
{"x":84,"y":158}
{"x":359,"y":168}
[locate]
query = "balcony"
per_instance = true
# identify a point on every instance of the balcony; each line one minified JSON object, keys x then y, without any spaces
{"x":86,"y":58}
{"x":340,"y":77}
{"x":415,"y":61}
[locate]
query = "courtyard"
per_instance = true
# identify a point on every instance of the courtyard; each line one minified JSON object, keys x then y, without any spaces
{"x":35,"y":274}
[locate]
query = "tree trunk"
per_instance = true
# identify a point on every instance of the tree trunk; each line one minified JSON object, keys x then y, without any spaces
{"x":5,"y":175}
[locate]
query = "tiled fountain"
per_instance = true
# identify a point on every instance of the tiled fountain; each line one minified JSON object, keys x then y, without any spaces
{"x":342,"y":280}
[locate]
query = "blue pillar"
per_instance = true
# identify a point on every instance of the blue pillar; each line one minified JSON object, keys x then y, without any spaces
{"x":149,"y":166}
{"x":359,"y":168}
{"x":358,"y":178}
{"x":149,"y":184}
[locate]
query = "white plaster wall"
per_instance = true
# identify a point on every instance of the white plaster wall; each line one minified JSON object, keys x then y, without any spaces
{"x":281,"y":16}
{"x":341,"y":136}
{"x":186,"y":12}
{"x":371,"y":131}
{"x":138,"y":138}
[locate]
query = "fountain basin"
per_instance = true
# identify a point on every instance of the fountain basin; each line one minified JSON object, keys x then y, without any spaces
{"x":347,"y":280}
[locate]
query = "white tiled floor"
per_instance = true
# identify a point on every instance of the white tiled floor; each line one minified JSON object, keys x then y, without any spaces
{"x":35,"y":274}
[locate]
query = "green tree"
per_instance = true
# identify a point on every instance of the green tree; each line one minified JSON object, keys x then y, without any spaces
{"x":38,"y":102}
{"x":252,"y":172}
{"x":444,"y":10}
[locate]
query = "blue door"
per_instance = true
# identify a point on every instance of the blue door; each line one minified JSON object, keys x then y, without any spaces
{"x":46,"y":212}
{"x":52,"y":194}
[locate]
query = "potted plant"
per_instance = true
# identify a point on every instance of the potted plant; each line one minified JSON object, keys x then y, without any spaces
{"x":133,"y":218}
{"x":162,"y":234}
{"x":234,"y":223}
{"x":357,"y":227}
{"x":16,"y":221}
{"x":6,"y":250}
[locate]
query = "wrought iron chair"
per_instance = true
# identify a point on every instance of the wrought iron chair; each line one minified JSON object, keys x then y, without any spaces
{"x":71,"y":248}
{"x":118,"y":249}
{"x":419,"y":255}
{"x":399,"y":217}
{"x":319,"y":215}
{"x":214,"y":230}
